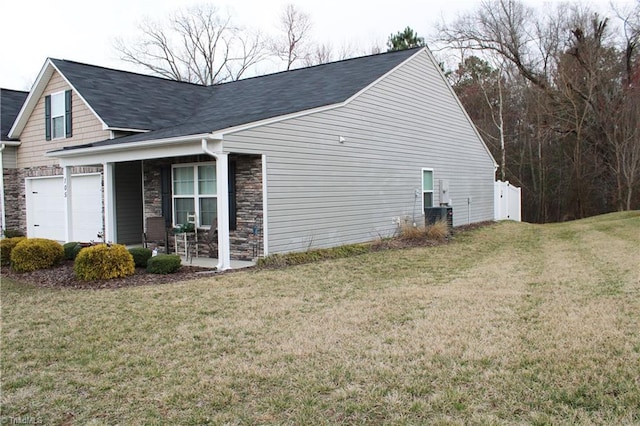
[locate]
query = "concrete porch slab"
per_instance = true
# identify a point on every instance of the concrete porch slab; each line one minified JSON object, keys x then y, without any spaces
{"x":210,"y":262}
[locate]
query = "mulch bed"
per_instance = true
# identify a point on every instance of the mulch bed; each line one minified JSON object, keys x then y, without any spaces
{"x":62,"y":276}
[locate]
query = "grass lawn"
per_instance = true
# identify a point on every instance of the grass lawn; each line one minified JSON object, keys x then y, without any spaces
{"x":511,"y":323}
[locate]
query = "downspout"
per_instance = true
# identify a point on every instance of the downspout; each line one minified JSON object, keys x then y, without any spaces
{"x":224,"y":249}
{"x":4,"y":216}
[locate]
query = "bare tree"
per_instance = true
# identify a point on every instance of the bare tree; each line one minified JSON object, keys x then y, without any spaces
{"x":623,"y":131}
{"x":481,"y":88}
{"x":198,"y":44}
{"x":324,"y":53}
{"x":505,"y":27}
{"x":625,"y":138}
{"x":320,"y":54}
{"x":292,"y":45}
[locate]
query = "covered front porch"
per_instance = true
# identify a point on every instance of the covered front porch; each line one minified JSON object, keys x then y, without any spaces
{"x":193,"y":179}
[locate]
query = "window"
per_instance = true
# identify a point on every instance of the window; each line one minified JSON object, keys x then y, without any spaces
{"x":427,"y":188}
{"x":57,"y":115}
{"x":194,"y":190}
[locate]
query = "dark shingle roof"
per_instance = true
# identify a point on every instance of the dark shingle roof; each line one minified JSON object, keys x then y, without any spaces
{"x":258,"y":98}
{"x":131,"y":101}
{"x":173,"y":109}
{"x":10,"y":103}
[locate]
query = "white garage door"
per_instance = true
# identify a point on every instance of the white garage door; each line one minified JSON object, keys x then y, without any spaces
{"x":45,"y":207}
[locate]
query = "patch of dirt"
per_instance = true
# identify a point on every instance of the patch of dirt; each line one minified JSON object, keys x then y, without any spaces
{"x":472,"y":226}
{"x":62,"y":276}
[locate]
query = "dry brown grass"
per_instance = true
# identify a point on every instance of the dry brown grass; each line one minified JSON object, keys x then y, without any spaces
{"x":439,"y":231}
{"x":410,"y":232}
{"x":512,"y":323}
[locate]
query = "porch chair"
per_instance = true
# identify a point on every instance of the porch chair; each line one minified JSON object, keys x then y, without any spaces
{"x":210,"y":238}
{"x":156,"y":233}
{"x":192,"y":241}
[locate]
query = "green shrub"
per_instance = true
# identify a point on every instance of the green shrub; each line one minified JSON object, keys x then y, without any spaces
{"x":6,"y":246}
{"x":140,"y":256}
{"x":12,"y":233}
{"x":71,"y":250}
{"x":36,"y":253}
{"x":103,"y":262}
{"x":164,"y":264}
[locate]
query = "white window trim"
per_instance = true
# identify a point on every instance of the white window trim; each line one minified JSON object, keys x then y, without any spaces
{"x":64,"y":117}
{"x":426,"y":169}
{"x":196,"y":196}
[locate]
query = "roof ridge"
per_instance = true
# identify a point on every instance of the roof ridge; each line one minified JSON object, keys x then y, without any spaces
{"x":127,"y":72}
{"x":140,"y":74}
{"x":354,"y":58}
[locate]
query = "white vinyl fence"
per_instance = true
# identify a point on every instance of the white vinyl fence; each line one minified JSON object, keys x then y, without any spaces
{"x":507,"y":201}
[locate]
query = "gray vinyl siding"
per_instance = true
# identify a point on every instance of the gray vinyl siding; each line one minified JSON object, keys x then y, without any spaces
{"x":324,"y":193}
{"x":128,"y":181}
{"x":10,"y":157}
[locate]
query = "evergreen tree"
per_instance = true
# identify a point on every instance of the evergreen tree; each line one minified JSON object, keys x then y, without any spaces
{"x":404,"y":40}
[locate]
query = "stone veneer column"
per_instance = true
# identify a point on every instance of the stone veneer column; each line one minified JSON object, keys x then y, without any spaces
{"x":152,"y":198}
{"x":247,"y":239}
{"x":14,"y":198}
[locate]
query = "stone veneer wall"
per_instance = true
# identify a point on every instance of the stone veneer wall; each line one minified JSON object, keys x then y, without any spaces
{"x":152,"y":199}
{"x":14,"y":190}
{"x":246,"y":240}
{"x":16,"y":207}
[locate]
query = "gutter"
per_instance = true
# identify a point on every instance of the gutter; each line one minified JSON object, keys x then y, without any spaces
{"x":78,"y":152}
{"x":206,"y":150}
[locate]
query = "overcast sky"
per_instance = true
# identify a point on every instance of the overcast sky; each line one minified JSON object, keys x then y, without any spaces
{"x":84,"y":30}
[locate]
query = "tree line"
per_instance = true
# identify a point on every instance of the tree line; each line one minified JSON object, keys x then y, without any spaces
{"x":554,"y":93}
{"x":556,"y":96}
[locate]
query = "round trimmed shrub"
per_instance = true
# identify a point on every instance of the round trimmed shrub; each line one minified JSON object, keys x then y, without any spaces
{"x":71,"y":250}
{"x":103,"y":262}
{"x":36,"y":253}
{"x":6,"y":247}
{"x":140,"y":256}
{"x":164,"y":264}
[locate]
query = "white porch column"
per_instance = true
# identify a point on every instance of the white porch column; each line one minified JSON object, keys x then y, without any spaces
{"x":222,"y":176}
{"x":68,"y":210}
{"x":109,"y":196}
